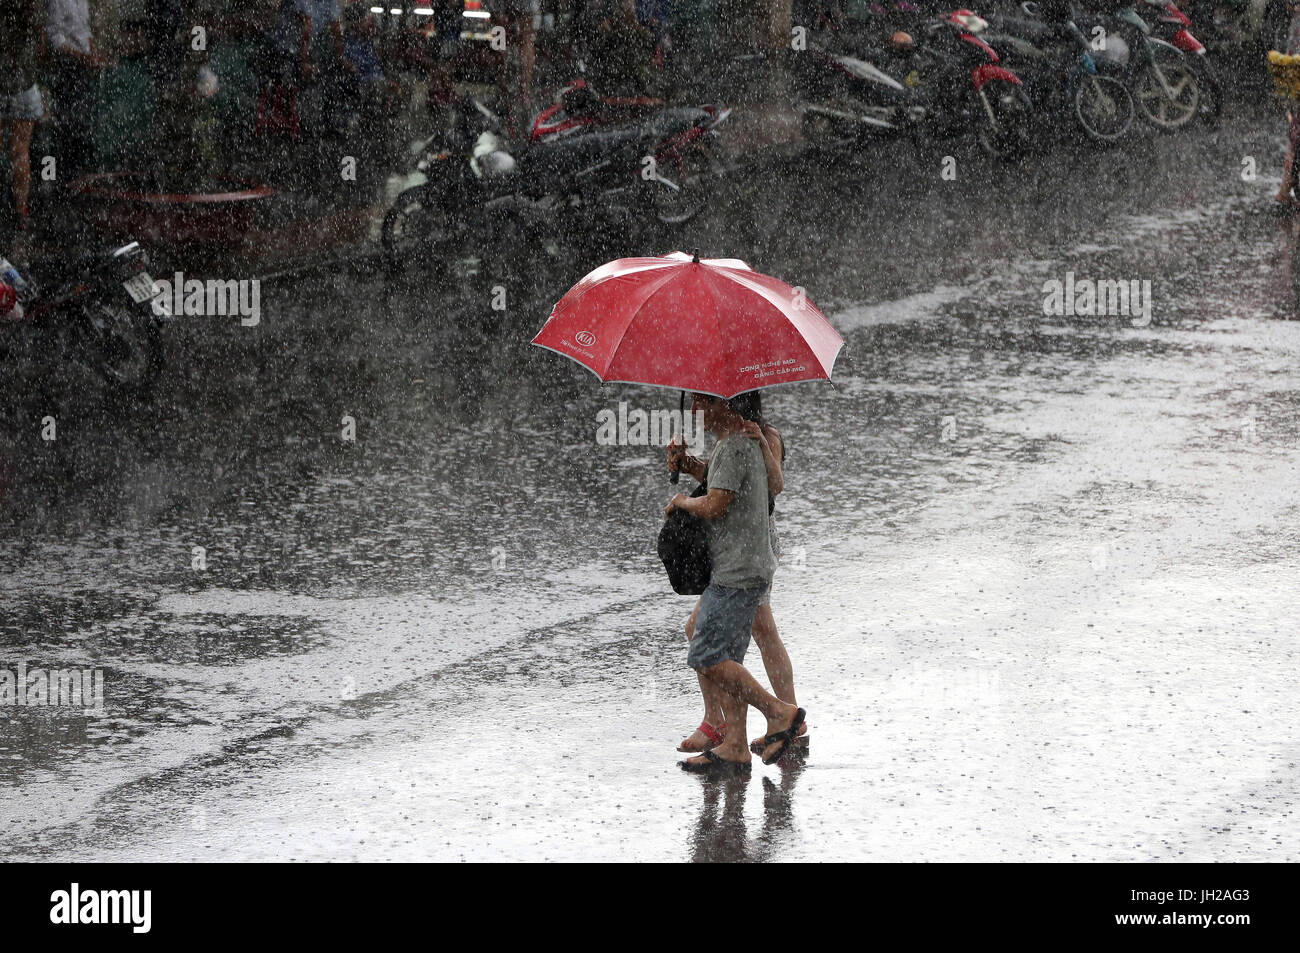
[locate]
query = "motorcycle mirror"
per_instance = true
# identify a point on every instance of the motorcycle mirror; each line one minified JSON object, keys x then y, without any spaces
{"x":1030,"y":8}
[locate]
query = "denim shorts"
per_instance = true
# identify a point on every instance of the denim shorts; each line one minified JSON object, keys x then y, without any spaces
{"x":722,"y":625}
{"x":24,"y":106}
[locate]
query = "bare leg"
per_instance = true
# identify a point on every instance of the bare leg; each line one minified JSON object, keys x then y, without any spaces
{"x":20,"y":140}
{"x":732,"y":678}
{"x":1288,"y":164}
{"x":733,"y":741}
{"x":776,"y":661}
{"x":713,"y":701}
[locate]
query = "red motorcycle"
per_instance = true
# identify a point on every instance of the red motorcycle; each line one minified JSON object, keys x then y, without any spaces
{"x":595,"y":163}
{"x":578,"y":110}
{"x":968,"y":88}
{"x":1173,"y":26}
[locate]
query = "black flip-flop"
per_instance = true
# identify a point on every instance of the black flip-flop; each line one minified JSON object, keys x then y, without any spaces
{"x":757,"y":746}
{"x":713,"y":764}
{"x":784,"y":737}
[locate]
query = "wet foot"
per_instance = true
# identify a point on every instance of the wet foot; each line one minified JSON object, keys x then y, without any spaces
{"x":759,"y":743}
{"x":700,"y":740}
{"x":790,"y":714}
{"x":718,"y":760}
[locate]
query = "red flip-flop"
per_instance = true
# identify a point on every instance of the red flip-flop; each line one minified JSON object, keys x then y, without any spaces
{"x":713,"y":734}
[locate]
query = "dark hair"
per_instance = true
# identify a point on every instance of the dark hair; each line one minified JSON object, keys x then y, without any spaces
{"x":749,"y":405}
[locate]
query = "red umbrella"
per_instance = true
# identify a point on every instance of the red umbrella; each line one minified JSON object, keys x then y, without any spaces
{"x":710,"y":325}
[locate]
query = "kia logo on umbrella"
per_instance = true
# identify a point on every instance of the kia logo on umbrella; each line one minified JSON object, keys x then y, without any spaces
{"x":585,"y":338}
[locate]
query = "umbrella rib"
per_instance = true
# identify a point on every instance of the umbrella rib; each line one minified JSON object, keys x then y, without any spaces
{"x":723,"y":347}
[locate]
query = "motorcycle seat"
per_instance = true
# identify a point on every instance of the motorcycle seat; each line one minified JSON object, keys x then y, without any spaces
{"x":1024,"y":27}
{"x":588,"y":148}
{"x":581,"y":150}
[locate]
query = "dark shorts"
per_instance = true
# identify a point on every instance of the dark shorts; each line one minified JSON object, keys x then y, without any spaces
{"x":722,"y":625}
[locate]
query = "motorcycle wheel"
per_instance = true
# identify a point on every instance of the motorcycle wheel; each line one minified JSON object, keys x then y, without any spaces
{"x":684,"y":195}
{"x":417,"y":229}
{"x":1006,"y":135}
{"x":1104,"y":108}
{"x":122,"y":346}
{"x":1158,"y":109}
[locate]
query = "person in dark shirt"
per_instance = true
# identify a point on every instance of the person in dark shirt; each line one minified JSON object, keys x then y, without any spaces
{"x":20,"y":97}
{"x":620,"y":51}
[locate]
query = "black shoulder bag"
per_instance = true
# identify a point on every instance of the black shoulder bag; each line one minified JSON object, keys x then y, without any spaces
{"x":684,"y":549}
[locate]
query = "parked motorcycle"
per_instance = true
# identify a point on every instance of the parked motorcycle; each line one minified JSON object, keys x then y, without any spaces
{"x":1239,"y":28}
{"x":1064,"y":75}
{"x":1164,"y":87}
{"x":845,"y":100}
{"x":966,"y":87}
{"x":96,"y":311}
{"x":577,"y":108}
{"x":940,"y":84}
{"x":592,"y":171}
{"x":1173,"y":26}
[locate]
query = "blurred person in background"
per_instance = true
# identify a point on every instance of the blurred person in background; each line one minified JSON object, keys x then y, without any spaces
{"x":377,"y":91}
{"x":1284,"y":194}
{"x":286,"y":63}
{"x":20,"y":97}
{"x":75,"y":66}
{"x":515,"y":79}
{"x":620,"y":50}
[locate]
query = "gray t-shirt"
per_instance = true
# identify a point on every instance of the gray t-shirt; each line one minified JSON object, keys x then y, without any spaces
{"x":739,"y":541}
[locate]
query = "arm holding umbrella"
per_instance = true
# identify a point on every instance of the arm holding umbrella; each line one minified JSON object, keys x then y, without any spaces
{"x":679,"y":461}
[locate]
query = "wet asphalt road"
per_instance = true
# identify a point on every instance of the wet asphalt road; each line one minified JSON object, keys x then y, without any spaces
{"x":1038,"y":584}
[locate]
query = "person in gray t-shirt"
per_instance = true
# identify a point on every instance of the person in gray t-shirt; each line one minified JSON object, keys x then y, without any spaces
{"x":776,"y":660}
{"x":740,"y":545}
{"x":741,"y":553}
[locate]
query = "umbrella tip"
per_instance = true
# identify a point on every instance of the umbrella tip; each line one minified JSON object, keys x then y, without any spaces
{"x":695,"y":256}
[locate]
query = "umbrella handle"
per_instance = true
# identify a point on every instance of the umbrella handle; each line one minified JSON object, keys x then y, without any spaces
{"x":676,"y":474}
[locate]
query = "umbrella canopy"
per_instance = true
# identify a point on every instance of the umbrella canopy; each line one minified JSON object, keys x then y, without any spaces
{"x":710,"y":325}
